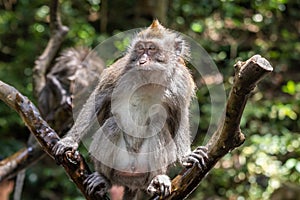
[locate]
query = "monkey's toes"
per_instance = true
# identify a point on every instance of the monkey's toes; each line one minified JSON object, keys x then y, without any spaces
{"x":198,"y":157}
{"x":96,"y":183}
{"x":160,"y":185}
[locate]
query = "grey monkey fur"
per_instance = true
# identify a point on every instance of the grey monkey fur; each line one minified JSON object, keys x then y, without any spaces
{"x":140,"y":109}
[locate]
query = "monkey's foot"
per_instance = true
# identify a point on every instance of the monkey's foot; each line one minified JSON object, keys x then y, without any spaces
{"x":197,"y":157}
{"x":161,"y":185}
{"x":96,"y":184}
{"x":64,"y":145}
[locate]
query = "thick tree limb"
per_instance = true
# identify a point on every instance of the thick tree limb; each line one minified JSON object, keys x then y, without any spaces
{"x":228,"y":136}
{"x":45,"y":135}
{"x":58,"y":32}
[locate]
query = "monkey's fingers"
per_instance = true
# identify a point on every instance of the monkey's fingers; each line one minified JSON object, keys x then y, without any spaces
{"x":160,"y":185}
{"x":202,"y":150}
{"x":197,"y":157}
{"x":96,"y":183}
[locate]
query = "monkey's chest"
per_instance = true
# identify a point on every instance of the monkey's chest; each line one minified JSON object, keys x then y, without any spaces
{"x":143,"y":143}
{"x":140,"y":114}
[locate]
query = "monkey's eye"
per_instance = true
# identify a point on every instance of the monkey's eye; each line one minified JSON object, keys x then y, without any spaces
{"x":140,"y":48}
{"x":152,"y":48}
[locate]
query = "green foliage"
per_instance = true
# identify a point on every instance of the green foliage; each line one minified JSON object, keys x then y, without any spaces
{"x":230,"y":31}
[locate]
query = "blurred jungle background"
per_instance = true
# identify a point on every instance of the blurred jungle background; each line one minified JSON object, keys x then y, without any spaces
{"x":266,"y":166}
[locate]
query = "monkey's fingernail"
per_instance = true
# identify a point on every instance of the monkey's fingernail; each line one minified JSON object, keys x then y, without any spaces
{"x":151,"y":189}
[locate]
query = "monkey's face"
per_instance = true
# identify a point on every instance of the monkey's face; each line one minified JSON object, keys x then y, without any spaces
{"x":146,"y":53}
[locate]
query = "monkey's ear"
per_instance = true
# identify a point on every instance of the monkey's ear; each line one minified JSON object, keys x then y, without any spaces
{"x":181,"y":48}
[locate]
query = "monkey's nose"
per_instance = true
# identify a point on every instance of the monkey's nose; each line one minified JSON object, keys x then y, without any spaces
{"x":144,"y":59}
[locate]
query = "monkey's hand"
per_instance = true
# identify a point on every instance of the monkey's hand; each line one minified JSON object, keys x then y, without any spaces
{"x":61,"y":148}
{"x":160,"y":185}
{"x":96,"y":184}
{"x":197,"y":157}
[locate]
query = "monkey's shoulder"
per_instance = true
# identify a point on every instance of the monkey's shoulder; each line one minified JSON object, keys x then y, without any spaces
{"x":111,"y":74}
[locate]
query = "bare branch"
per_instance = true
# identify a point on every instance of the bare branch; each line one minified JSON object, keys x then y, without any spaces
{"x":228,"y":136}
{"x":11,"y":165}
{"x":58,"y":32}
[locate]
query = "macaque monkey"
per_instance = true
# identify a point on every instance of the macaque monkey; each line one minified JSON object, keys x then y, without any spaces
{"x":74,"y":69}
{"x":141,"y":108}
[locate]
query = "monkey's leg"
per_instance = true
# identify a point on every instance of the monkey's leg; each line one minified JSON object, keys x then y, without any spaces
{"x":197,"y":157}
{"x":97,"y":183}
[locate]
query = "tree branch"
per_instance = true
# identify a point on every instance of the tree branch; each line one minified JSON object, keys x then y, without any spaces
{"x":45,"y":135}
{"x":58,"y":32}
{"x":228,"y":135}
{"x":13,"y":164}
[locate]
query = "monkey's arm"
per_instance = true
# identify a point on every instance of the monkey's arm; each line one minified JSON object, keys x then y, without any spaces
{"x":95,"y":111}
{"x":184,"y":90}
{"x":187,"y":157}
{"x":98,"y":102}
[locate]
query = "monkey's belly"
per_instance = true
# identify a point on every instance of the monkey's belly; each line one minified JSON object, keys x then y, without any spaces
{"x":128,"y":172}
{"x":134,"y":170}
{"x":131,"y":180}
{"x":128,"y":163}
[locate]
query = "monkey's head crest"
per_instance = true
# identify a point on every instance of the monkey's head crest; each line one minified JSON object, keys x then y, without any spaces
{"x":155,"y":30}
{"x":156,"y":25}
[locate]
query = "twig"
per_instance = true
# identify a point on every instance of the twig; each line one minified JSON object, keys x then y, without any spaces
{"x":58,"y":32}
